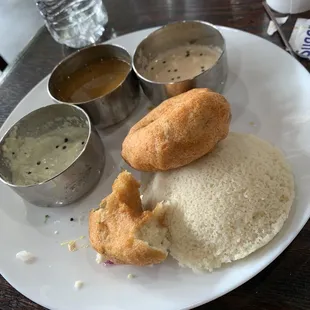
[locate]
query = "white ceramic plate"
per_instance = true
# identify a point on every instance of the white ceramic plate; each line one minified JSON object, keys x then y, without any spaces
{"x":269,"y":92}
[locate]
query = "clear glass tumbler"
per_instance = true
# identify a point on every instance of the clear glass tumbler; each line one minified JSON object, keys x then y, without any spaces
{"x":75,"y":23}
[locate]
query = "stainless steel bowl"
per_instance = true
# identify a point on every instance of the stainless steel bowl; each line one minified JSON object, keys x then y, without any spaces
{"x":111,"y":108}
{"x":72,"y":182}
{"x":178,"y":34}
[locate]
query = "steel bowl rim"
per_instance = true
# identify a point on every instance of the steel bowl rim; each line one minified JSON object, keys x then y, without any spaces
{"x":165,"y":26}
{"x":73,"y":55}
{"x":62,"y":171}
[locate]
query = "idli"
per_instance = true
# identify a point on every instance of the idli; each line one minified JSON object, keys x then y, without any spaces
{"x":225,"y":205}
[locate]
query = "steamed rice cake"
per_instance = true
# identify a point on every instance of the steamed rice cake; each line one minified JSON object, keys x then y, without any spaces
{"x":225,"y":205}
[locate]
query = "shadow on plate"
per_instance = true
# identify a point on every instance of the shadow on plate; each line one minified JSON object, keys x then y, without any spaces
{"x":237,"y":95}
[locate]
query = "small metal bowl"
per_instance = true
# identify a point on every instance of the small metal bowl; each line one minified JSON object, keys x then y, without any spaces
{"x":108,"y":109}
{"x":179,"y":34}
{"x":63,"y":186}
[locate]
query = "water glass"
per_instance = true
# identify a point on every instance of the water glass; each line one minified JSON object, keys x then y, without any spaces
{"x":75,"y":23}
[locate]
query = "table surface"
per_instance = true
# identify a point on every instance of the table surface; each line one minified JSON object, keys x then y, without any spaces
{"x":285,"y":284}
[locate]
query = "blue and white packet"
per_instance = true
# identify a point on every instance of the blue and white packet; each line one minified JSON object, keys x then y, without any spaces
{"x":300,"y":38}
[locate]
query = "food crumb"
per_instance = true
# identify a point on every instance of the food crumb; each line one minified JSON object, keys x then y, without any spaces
{"x":25,"y":257}
{"x":78,"y":284}
{"x":46,"y":218}
{"x":72,"y":243}
{"x":56,"y":232}
{"x":131,"y":276}
{"x":72,"y":246}
{"x":99,"y":258}
{"x":252,"y":124}
{"x":108,"y":263}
